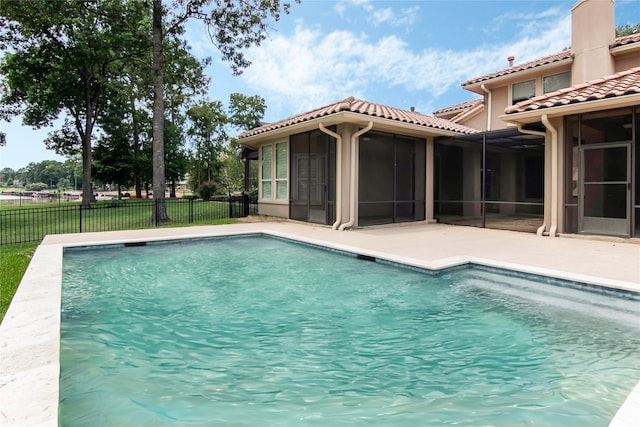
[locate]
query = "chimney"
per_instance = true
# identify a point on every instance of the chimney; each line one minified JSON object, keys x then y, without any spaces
{"x":593,"y":30}
{"x":511,"y":59}
{"x":413,"y":109}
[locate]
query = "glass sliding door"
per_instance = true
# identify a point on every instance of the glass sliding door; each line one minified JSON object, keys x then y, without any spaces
{"x":606,"y":189}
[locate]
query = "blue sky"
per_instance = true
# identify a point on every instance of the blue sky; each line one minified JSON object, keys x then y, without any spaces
{"x":397,"y":53}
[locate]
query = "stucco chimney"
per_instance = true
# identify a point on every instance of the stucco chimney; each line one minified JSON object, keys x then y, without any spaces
{"x":593,"y":30}
{"x":511,"y":59}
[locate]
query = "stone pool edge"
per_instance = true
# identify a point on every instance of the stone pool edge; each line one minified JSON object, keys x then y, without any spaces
{"x":30,"y":331}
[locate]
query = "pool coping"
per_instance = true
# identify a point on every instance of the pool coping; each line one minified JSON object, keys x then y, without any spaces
{"x":30,"y":368}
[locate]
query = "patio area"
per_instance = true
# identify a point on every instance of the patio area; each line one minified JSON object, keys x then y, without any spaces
{"x":29,"y":334}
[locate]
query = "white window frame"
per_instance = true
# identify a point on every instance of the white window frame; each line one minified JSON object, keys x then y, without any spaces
{"x":269,"y":179}
{"x":278,"y":180}
{"x":275,"y":181}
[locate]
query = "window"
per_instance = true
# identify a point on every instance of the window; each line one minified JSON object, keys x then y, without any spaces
{"x":523,"y":91}
{"x":275,"y":171}
{"x":281,"y":171}
{"x":556,"y":82}
{"x":267,"y":160}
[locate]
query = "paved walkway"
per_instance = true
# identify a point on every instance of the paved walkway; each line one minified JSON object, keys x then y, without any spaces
{"x":591,"y":260}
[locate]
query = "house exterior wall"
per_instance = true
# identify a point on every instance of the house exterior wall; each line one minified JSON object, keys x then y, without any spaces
{"x":592,"y":32}
{"x":478,"y":121}
{"x":624,"y":62}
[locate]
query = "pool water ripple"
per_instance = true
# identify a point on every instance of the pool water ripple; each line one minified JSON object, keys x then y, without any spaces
{"x":259,"y":331}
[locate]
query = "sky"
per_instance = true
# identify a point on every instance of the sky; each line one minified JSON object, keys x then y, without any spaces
{"x":397,"y":53}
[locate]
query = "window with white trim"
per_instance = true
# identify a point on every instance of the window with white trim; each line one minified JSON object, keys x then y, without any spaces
{"x":275,"y":171}
{"x":265,"y":177}
{"x":282,"y":160}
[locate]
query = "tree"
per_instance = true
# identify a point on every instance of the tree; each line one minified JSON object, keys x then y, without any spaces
{"x":177,"y":157}
{"x":245,"y":112}
{"x":232,"y":26}
{"x":627,"y":30}
{"x":62,"y":54}
{"x":207,"y":131}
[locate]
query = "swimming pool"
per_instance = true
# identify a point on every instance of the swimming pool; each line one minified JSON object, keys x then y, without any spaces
{"x":218,"y":336}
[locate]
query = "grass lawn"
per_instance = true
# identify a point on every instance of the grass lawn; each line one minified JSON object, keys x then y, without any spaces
{"x":14,"y":260}
{"x":29,"y":223}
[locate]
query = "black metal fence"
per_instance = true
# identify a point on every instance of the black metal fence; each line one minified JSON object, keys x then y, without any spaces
{"x":32,"y":224}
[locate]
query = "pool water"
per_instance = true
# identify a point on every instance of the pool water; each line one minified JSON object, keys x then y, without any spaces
{"x":255,"y":331}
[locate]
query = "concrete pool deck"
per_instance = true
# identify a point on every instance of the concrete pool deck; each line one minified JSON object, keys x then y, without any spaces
{"x":30,"y":331}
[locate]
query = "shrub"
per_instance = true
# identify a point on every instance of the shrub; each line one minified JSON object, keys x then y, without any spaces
{"x":208,"y":189}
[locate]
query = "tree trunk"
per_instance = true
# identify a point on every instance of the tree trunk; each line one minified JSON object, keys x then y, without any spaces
{"x":85,"y":134}
{"x":136,"y":151}
{"x":158,"y":116}
{"x":87,"y":190}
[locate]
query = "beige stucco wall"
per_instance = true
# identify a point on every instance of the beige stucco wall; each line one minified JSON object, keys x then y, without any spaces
{"x":478,"y":121}
{"x":280,"y":210}
{"x":499,"y":101}
{"x":592,"y":32}
{"x":345,"y":130}
{"x":625,"y":62}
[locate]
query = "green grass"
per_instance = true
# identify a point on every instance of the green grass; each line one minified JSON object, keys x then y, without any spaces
{"x":14,"y":260}
{"x":30,"y":223}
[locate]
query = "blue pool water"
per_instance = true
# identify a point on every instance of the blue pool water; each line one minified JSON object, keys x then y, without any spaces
{"x":260,"y":331}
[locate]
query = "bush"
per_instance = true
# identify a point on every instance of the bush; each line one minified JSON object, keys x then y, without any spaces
{"x":208,"y":189}
{"x":36,"y":186}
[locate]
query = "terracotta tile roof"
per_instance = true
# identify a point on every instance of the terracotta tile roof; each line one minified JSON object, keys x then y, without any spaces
{"x":556,"y":57}
{"x":365,"y":108}
{"x":625,"y":40}
{"x":620,"y":84}
{"x":458,"y":108}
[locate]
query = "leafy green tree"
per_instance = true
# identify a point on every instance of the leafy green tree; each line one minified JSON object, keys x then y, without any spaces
{"x":245,"y":112}
{"x":6,"y":175}
{"x":232,"y":27}
{"x":627,"y":30}
{"x":208,"y":134}
{"x":60,"y":55}
{"x":177,"y":157}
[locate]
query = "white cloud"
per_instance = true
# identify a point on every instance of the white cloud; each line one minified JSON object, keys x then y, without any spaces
{"x":309,"y":68}
{"x":386,"y":16}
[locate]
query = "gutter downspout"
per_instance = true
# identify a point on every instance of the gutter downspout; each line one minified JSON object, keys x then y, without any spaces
{"x":352,"y":176}
{"x":338,"y":174}
{"x":488,"y":92}
{"x":544,"y":225}
{"x":554,"y":175}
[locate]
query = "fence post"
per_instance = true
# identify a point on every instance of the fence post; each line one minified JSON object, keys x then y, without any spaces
{"x":190,"y":210}
{"x":80,"y":216}
{"x":245,"y":203}
{"x":230,"y":206}
{"x":155,"y":206}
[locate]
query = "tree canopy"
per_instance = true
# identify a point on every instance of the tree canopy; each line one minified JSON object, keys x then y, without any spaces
{"x":59,"y":57}
{"x":118,"y":72}
{"x":627,"y":30}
